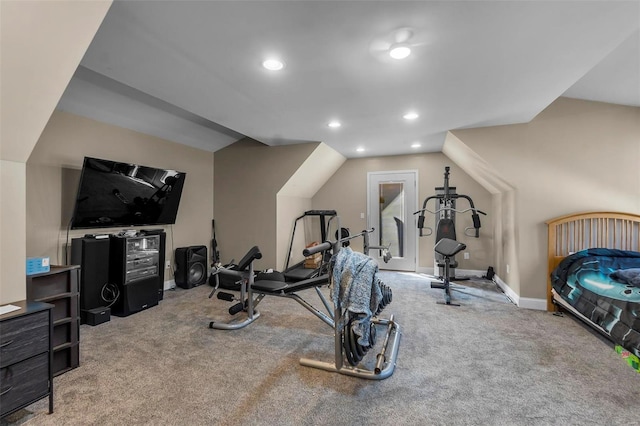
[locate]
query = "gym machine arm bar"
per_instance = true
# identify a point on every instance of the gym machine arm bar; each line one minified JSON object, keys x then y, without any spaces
{"x":328,"y":244}
{"x":474,"y":216}
{"x":381,"y":357}
{"x":386,"y":254}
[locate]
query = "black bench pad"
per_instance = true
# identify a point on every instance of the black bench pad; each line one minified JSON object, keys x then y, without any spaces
{"x":269,"y":286}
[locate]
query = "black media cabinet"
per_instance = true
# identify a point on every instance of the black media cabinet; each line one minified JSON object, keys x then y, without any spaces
{"x":26,"y":374}
{"x":135,"y":268}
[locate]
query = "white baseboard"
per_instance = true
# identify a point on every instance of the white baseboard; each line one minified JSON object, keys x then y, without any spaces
{"x":508,"y":291}
{"x":521,"y":302}
{"x":470,"y":272}
{"x":169,"y":285}
{"x":530,"y":303}
{"x":424,"y":270}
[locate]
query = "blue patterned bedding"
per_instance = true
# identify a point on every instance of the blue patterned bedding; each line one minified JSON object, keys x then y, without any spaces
{"x":603,"y":285}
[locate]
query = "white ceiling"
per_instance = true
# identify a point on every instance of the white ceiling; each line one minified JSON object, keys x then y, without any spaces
{"x":191,"y":72}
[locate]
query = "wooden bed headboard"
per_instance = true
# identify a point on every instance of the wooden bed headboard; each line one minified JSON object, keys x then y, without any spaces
{"x":580,"y":231}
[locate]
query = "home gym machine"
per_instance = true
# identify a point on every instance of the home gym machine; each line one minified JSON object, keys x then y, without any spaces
{"x":351,"y":344}
{"x":447,"y":246}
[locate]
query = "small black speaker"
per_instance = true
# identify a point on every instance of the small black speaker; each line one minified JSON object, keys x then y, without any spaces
{"x":191,"y":266}
{"x":96,"y":316}
{"x":490,"y":273}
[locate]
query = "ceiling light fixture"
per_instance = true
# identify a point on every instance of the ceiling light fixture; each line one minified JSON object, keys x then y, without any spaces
{"x":399,"y":51}
{"x":416,"y":145}
{"x":273,"y":64}
{"x":411,"y":115}
{"x":360,"y":149}
{"x":334,"y":124}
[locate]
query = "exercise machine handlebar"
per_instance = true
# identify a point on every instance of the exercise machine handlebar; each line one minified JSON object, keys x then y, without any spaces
{"x":475,"y":216}
{"x":452,"y":209}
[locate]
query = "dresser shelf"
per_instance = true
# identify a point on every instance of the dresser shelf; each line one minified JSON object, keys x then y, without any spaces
{"x":60,"y":288}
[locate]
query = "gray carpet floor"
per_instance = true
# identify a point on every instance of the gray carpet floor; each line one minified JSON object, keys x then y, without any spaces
{"x":485,"y":362}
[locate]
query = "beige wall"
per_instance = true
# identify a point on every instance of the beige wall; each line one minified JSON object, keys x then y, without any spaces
{"x":505,"y":259}
{"x":12,"y":229}
{"x":288,"y":210}
{"x":294,"y":198}
{"x":42,"y":43}
{"x":53,"y":170}
{"x":248,"y":175}
{"x":346,"y":192}
{"x":574,"y":156}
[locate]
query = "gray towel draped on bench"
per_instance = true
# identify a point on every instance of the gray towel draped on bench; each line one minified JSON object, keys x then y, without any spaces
{"x":357,"y":287}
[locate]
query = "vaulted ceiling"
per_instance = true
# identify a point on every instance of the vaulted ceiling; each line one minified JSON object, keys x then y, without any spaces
{"x":191,"y":71}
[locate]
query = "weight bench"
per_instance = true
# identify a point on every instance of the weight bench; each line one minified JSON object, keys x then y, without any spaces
{"x":447,"y":248}
{"x":253,"y":290}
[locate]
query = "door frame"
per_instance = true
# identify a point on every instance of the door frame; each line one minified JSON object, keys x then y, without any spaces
{"x":412,"y":206}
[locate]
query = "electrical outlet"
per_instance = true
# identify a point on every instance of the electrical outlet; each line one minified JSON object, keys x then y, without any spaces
{"x":507,"y":268}
{"x":361,"y":215}
{"x":466,"y":255}
{"x":167,"y":264}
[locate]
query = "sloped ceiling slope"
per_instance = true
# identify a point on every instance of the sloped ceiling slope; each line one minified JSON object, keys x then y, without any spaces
{"x":473,"y":64}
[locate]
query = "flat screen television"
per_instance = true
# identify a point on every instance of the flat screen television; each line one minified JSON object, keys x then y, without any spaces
{"x":116,"y":194}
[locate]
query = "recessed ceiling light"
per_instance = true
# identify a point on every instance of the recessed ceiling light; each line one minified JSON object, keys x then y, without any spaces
{"x":416,"y":145}
{"x":273,"y":64}
{"x":334,"y":124}
{"x":411,"y":115}
{"x":399,"y":51}
{"x":360,"y":149}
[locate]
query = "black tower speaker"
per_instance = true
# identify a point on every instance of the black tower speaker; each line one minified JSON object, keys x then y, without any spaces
{"x":191,"y":266}
{"x":92,"y":255}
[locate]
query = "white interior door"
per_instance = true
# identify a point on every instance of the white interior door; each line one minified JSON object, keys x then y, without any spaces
{"x":391,"y":203}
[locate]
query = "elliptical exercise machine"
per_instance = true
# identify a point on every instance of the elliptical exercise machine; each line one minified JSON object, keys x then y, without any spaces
{"x":447,"y":246}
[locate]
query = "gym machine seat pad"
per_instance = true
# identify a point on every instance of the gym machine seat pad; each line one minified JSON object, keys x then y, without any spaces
{"x":448,"y":247}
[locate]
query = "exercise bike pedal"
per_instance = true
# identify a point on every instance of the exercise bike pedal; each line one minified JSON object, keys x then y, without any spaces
{"x":435,"y":284}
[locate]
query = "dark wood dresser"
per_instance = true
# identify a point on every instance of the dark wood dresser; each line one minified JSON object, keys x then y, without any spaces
{"x":26,"y":356}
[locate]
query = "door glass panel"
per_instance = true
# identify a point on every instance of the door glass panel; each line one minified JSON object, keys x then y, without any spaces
{"x":391,"y":211}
